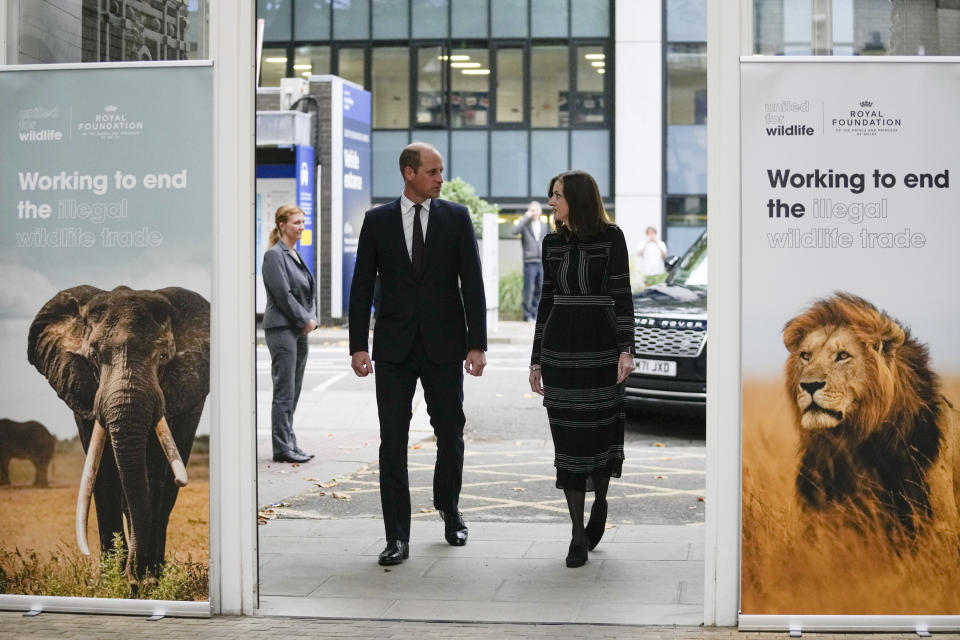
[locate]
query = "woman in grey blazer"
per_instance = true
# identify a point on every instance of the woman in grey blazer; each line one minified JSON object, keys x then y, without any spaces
{"x":289,"y":316}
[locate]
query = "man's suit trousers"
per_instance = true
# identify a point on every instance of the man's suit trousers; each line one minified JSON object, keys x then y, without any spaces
{"x":443,"y":392}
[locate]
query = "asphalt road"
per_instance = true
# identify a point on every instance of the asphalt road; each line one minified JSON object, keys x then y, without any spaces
{"x":508,"y":471}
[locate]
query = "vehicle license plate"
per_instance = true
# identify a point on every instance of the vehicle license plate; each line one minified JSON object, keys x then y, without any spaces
{"x":655,"y":367}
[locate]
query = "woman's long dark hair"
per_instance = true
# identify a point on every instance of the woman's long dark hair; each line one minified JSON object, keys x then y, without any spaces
{"x":586,"y":218}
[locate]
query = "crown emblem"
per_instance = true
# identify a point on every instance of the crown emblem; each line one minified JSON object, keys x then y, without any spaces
{"x":866,"y":103}
{"x":110,"y":108}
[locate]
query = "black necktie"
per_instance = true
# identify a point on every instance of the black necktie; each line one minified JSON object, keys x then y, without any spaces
{"x":417,"y":252}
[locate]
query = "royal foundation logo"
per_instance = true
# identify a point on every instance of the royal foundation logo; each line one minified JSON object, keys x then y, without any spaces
{"x":110,"y":124}
{"x":866,"y":118}
{"x":39,"y":124}
{"x":788,"y":118}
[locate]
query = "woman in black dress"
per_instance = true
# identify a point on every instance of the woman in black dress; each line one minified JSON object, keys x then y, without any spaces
{"x":583,"y":350}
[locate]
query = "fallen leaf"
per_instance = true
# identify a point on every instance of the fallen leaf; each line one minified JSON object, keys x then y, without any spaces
{"x":311,"y":480}
{"x":666,"y":459}
{"x":340,"y":496}
{"x":417,"y":446}
{"x":519,"y":489}
{"x":354,"y":488}
{"x":426,"y":510}
{"x":661,"y":477}
{"x":296,"y":464}
{"x":327,"y":485}
{"x":659,"y":444}
{"x":700,"y":499}
{"x":610,"y":526}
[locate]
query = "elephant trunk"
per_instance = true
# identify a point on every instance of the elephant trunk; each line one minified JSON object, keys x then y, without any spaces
{"x":130,"y":448}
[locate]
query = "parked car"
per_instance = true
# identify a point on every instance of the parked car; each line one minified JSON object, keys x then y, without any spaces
{"x":671,"y":337}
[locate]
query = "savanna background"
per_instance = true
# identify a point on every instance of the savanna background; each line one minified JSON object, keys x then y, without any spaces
{"x":795,"y":562}
{"x":38,"y":545}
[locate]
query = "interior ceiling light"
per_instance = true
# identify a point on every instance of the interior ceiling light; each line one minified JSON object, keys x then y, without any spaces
{"x":301,"y":67}
{"x":601,"y":70}
{"x":306,"y":73}
{"x":595,"y":56}
{"x":276,"y":60}
{"x":599,"y":63}
{"x":465,"y":65}
{"x":457,"y":57}
{"x":475,"y":72}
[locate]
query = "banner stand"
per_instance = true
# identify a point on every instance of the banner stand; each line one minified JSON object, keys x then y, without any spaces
{"x":126,"y":606}
{"x":923,"y":626}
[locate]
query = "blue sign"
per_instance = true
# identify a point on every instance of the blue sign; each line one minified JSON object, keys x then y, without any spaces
{"x":305,"y":174}
{"x":356,"y":176}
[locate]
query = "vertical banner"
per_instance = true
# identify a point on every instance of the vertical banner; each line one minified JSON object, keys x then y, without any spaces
{"x":305,"y":176}
{"x":105,"y":242}
{"x":851,"y":354}
{"x":356,"y":177}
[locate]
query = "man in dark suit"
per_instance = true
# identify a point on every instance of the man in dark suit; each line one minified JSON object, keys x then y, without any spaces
{"x":431,"y":318}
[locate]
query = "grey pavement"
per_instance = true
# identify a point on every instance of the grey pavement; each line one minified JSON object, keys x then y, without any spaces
{"x":59,"y":626}
{"x":321,"y":528}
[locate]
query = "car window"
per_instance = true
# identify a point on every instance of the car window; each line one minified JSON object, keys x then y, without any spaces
{"x":691,"y":271}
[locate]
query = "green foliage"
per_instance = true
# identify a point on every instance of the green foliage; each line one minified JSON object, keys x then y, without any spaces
{"x":511,"y":296}
{"x":66,"y":572}
{"x":460,"y":191}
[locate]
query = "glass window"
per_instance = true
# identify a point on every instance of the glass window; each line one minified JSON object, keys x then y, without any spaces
{"x":686,"y":83}
{"x":391,"y":19}
{"x":510,"y":83}
{"x":276,"y":19}
{"x":351,"y":63}
{"x":311,"y":61}
{"x":430,"y":18}
{"x":550,"y":154}
{"x":590,"y":19}
{"x":549,"y":86}
{"x":686,"y":158}
{"x":385,"y":148}
{"x":590,"y":151}
{"x":508,"y":18}
{"x":509,"y":172}
{"x":391,"y":87}
{"x":351,"y":19}
{"x":687,"y":210}
{"x":468,"y":18}
{"x":550,"y":19}
{"x":273,"y":66}
{"x":591,"y":73}
{"x":686,"y":20}
{"x":469,"y":87}
{"x":311,"y":20}
{"x":431,"y":110}
{"x":469,"y":159}
{"x":863,"y":27}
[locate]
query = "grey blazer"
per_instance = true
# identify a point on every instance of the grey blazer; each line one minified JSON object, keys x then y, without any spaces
{"x":532,"y":242}
{"x":290,"y":290}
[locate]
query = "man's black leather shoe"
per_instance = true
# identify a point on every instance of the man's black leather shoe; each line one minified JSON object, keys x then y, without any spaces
{"x":291,"y":456}
{"x":454,"y":529}
{"x":395,"y":552}
{"x":303,"y":453}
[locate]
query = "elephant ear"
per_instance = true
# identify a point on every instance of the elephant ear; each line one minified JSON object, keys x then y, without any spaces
{"x":185,"y":380}
{"x":54,"y":348}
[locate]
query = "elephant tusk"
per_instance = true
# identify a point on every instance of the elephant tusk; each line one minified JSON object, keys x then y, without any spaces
{"x":170,"y":450}
{"x":90,"y":467}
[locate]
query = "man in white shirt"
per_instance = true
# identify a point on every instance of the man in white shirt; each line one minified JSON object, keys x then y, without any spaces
{"x":652,"y":254}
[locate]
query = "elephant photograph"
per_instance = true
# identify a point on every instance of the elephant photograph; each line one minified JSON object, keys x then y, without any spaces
{"x":134,"y":369}
{"x":26,"y":441}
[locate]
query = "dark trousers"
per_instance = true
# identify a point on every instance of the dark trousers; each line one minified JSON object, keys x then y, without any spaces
{"x":288,"y":359}
{"x":532,"y":285}
{"x":443,"y":392}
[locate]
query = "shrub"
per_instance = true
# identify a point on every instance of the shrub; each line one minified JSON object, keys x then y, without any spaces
{"x":511,"y":296}
{"x":462,"y":192}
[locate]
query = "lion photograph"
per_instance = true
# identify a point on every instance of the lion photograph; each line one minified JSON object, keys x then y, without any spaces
{"x":851,"y":468}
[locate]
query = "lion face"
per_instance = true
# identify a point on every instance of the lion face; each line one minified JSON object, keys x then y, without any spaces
{"x":845,"y":366}
{"x":831,"y":368}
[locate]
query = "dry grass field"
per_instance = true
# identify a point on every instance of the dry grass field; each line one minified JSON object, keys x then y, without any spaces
{"x":41,"y":520}
{"x":800,"y":563}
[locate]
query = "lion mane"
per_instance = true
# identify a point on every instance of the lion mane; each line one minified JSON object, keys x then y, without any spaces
{"x":876,"y":433}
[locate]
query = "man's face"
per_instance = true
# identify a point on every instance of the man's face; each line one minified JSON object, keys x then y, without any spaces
{"x":427,"y":180}
{"x":651,"y":235}
{"x":535,"y":210}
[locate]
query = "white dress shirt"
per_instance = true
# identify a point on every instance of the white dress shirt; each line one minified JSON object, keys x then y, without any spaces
{"x":406,"y":212}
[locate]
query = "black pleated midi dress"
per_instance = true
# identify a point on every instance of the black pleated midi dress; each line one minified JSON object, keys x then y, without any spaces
{"x":585,"y":321}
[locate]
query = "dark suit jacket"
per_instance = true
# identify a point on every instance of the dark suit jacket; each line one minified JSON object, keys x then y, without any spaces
{"x":446,"y":302}
{"x":291,"y":301}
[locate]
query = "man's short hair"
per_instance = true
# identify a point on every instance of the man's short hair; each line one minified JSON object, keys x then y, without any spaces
{"x":410,"y":156}
{"x":649,"y":229}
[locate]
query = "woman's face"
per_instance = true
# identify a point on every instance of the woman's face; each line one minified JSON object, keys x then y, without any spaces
{"x":558,"y":203}
{"x":292,"y":229}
